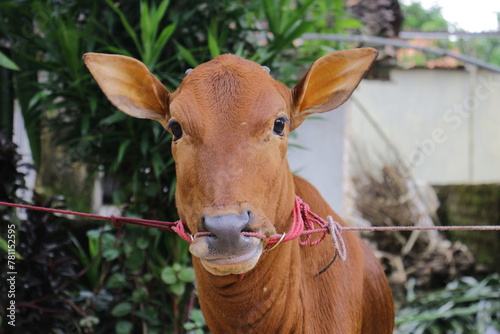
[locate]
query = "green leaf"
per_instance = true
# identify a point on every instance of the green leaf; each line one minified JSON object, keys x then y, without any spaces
{"x":121,"y":151}
{"x":119,"y":196}
{"x":178,"y":288}
{"x":161,"y":41}
{"x":119,"y":51}
{"x":123,"y":327}
{"x":189,"y":326}
{"x":69,"y":40}
{"x":349,"y":24}
{"x":157,"y":162}
{"x":186,"y":55}
{"x":212,"y":40}
{"x":147,"y":33}
{"x":284,"y":12}
{"x":82,"y":255}
{"x":85,"y":123}
{"x":240,"y":49}
{"x":89,"y":321}
{"x":116,"y":117}
{"x":294,"y":32}
{"x":187,"y":274}
{"x":197,"y":317}
{"x":140,"y":294}
{"x":142,"y":243}
{"x":111,"y":254}
{"x":92,"y":104}
{"x":135,"y":259}
{"x":5,"y":247}
{"x":160,"y":12}
{"x":177,"y":267}
{"x":126,"y":25}
{"x":107,"y":240}
{"x":149,"y":314}
{"x":301,"y":30}
{"x":213,"y":46}
{"x":168,"y":275}
{"x":93,"y":234}
{"x":145,"y":144}
{"x":121,"y":309}
{"x":146,"y":278}
{"x":271,"y":14}
{"x":298,"y":14}
{"x":171,"y":190}
{"x":7,"y":62}
{"x":116,"y":280}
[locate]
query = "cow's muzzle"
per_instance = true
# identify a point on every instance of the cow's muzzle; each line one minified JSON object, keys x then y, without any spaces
{"x":225,"y":250}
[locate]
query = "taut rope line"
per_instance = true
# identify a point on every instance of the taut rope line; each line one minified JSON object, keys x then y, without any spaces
{"x":303,"y":224}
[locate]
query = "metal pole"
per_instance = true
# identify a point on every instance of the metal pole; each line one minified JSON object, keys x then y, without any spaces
{"x":400,"y":44}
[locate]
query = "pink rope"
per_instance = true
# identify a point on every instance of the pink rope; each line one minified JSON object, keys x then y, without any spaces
{"x":303,"y":224}
{"x":177,"y":226}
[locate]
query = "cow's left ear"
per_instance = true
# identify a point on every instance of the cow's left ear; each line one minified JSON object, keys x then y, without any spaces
{"x":330,"y":82}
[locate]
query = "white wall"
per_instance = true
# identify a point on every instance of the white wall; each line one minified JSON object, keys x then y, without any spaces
{"x":321,"y":160}
{"x":445,"y":123}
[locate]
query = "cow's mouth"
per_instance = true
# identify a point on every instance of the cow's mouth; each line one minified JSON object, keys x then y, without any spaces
{"x":227,"y":261}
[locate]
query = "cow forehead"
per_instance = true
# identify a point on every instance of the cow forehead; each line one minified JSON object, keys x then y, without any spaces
{"x":230,"y":88}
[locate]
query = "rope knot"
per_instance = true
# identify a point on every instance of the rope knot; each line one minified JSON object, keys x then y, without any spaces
{"x":335,"y":230}
{"x":116,"y":221}
{"x":178,"y":228}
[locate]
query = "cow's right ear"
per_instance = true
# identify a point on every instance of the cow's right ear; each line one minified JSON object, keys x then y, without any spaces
{"x":130,"y":86}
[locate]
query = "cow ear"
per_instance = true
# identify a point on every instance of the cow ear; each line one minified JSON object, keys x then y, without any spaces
{"x":130,"y":86}
{"x":330,"y":82}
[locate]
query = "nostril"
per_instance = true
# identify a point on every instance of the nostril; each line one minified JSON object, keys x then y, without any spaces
{"x":227,"y":226}
{"x":247,"y":227}
{"x":203,"y":226}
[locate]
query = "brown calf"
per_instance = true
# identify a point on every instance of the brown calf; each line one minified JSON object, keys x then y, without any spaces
{"x":230,"y":123}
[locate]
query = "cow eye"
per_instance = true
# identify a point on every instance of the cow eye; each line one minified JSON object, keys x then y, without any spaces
{"x":175,"y":129}
{"x":279,"y":125}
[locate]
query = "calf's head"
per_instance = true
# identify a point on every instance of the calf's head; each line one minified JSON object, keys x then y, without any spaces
{"x":230,"y":122}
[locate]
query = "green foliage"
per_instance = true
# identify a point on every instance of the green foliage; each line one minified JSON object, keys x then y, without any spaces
{"x":7,"y":62}
{"x":463,"y":306}
{"x":176,"y":276}
{"x":43,"y":260}
{"x":121,"y":309}
{"x":152,"y":41}
{"x":129,"y":282}
{"x":196,"y":323}
{"x":473,"y":204}
{"x":328,"y":17}
{"x":332,"y":17}
{"x":16,"y":34}
{"x":486,"y":49}
{"x":419,"y":19}
{"x":285,"y":25}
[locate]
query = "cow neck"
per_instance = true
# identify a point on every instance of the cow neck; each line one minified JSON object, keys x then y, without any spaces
{"x":269,"y":291}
